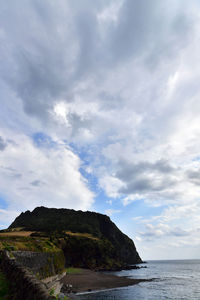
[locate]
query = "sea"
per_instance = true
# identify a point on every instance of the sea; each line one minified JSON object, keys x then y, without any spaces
{"x":172,"y":279}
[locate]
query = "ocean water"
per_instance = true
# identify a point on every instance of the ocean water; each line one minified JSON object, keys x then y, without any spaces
{"x":177,"y":279}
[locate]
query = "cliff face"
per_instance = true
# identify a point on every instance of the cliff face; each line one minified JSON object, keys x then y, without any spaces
{"x":121,"y":247}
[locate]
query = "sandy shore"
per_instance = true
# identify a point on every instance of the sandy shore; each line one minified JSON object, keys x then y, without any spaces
{"x":89,"y":280}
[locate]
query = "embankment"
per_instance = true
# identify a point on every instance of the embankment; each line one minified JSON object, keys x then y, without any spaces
{"x":24,"y":285}
{"x":42,"y":264}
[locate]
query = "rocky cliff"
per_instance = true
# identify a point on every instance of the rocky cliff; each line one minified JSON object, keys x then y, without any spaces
{"x":103,"y":244}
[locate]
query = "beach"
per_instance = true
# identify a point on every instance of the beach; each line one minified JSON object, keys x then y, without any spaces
{"x":88,"y":280}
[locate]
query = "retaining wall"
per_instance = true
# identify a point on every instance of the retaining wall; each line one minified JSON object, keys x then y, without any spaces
{"x":24,"y":285}
{"x":42,"y":264}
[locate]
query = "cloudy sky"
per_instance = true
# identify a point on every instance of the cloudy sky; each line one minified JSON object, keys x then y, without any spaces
{"x":100,"y":110}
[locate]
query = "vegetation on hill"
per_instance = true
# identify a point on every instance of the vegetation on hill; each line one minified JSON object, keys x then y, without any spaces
{"x":24,"y":243}
{"x":93,"y":240}
{"x":53,"y":258}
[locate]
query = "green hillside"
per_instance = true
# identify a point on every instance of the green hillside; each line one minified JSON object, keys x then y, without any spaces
{"x":98,"y":237}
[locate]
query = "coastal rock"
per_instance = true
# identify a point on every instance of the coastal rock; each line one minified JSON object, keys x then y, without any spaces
{"x":103,"y":244}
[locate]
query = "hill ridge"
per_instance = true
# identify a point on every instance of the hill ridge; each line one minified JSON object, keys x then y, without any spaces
{"x":99,"y":225}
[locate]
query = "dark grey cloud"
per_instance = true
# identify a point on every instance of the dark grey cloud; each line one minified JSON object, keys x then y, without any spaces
{"x":178,"y":232}
{"x":77,"y":122}
{"x":194,"y":176}
{"x":50,"y":47}
{"x":160,"y":231}
{"x":145,"y":177}
{"x":3,"y":144}
{"x":146,"y":185}
{"x":153,"y":29}
{"x":36,"y":49}
{"x":16,"y":175}
{"x":89,"y":44}
{"x":135,"y":28}
{"x":10,"y":169}
{"x":11,"y":172}
{"x":128,"y":169}
{"x":37,"y":183}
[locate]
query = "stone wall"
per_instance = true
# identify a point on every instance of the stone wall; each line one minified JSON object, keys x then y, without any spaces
{"x":24,"y":285}
{"x":41,"y":264}
{"x":54,"y":283}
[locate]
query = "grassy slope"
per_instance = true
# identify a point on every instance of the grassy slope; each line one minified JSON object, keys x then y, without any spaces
{"x":73,"y":271}
{"x":23,"y":241}
{"x":81,"y":250}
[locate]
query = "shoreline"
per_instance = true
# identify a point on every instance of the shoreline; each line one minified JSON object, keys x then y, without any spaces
{"x":102,"y":290}
{"x":90,"y":281}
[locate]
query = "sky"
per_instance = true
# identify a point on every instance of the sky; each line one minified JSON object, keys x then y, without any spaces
{"x":100,"y":110}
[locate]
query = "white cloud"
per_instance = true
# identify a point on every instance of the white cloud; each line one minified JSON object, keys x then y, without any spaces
{"x":46,"y":176}
{"x":110,"y":212}
{"x":132,"y":197}
{"x":7,"y":217}
{"x":139,"y":218}
{"x":120,"y":81}
{"x":111,"y":185}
